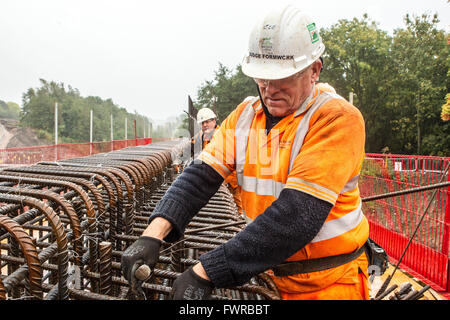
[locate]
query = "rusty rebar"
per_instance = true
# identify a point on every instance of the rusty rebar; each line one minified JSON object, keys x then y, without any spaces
{"x":29,"y":251}
{"x":100,"y":204}
{"x":105,"y":255}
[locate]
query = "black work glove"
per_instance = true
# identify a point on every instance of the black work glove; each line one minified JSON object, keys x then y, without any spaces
{"x":190,"y":286}
{"x":144,"y":250}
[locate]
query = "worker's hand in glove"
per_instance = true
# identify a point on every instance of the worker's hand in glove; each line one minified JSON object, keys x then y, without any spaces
{"x":190,"y":286}
{"x":144,"y":250}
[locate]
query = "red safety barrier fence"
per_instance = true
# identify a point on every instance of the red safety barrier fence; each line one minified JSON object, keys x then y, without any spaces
{"x":31,"y":155}
{"x":393,"y":220}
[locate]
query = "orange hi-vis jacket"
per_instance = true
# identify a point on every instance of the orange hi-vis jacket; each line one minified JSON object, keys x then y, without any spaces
{"x":318,"y":150}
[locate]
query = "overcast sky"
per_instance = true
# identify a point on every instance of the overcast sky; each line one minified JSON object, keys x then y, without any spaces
{"x":149,"y":56}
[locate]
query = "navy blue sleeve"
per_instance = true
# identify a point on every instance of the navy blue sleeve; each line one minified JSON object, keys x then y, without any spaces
{"x":285,"y":227}
{"x":290,"y":223}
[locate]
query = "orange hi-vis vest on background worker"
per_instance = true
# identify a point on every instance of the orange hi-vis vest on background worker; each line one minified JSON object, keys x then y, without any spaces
{"x":204,"y":138}
{"x":318,"y":150}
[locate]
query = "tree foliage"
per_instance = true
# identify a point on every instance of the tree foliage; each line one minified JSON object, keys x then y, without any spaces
{"x":168,"y":129}
{"x":38,"y":110}
{"x":10,"y":110}
{"x":398,"y":81}
{"x":225,"y":91}
{"x":356,"y":61}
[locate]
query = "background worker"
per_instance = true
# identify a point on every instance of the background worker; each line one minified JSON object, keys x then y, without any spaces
{"x":297,"y":152}
{"x":207,"y":120}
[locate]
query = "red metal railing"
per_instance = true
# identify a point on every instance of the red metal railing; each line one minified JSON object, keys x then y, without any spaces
{"x":393,"y":220}
{"x":31,"y":155}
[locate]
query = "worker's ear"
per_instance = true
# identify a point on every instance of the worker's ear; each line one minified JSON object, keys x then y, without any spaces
{"x":316,"y":68}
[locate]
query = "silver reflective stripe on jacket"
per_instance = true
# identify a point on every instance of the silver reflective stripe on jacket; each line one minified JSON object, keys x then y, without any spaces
{"x":262,"y":187}
{"x":303,"y":126}
{"x":241,"y":134}
{"x":351,"y":184}
{"x":332,"y":228}
{"x":336,"y":227}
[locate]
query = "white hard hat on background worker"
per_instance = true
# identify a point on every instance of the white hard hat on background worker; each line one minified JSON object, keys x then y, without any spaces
{"x":283,"y":43}
{"x":205,"y":114}
{"x":207,"y":121}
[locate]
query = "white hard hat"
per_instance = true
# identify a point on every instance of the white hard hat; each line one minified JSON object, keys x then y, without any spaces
{"x":205,"y":114}
{"x":285,"y":42}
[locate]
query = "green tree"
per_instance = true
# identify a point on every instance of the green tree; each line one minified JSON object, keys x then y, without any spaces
{"x":38,"y":110}
{"x":74,"y":114}
{"x":14,"y":110}
{"x":421,"y":80}
{"x":10,"y":110}
{"x":228,"y":89}
{"x":357,"y":60}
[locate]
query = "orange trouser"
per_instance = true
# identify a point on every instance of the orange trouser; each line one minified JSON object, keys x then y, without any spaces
{"x":337,"y":291}
{"x":351,"y":286}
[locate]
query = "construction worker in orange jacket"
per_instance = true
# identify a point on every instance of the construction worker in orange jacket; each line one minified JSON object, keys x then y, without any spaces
{"x":297,"y":151}
{"x":207,"y":120}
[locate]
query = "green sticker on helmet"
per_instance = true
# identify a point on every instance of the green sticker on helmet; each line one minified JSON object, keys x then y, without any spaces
{"x":313,"y":32}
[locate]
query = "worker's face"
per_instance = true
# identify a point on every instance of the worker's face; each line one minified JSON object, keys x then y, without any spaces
{"x":208,"y":125}
{"x":284,"y":96}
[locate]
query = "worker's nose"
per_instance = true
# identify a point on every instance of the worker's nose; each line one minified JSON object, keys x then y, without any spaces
{"x":271,"y":88}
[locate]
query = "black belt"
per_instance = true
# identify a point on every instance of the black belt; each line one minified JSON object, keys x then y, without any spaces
{"x":290,"y":268}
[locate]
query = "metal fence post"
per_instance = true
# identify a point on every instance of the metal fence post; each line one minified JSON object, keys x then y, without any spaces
{"x":56,"y":131}
{"x":112,"y":134}
{"x":135,"y":133}
{"x":91,"y":129}
{"x":445,"y":240}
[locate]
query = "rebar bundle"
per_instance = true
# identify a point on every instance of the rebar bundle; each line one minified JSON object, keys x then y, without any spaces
{"x":65,"y":225}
